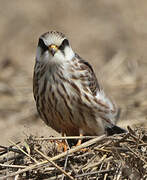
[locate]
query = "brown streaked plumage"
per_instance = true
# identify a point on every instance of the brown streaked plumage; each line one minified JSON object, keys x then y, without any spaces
{"x":67,"y":94}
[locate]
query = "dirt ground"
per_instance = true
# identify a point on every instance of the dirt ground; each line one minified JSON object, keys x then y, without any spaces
{"x":111,"y":35}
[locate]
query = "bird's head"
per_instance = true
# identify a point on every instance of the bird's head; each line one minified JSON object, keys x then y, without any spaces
{"x":53,"y":47}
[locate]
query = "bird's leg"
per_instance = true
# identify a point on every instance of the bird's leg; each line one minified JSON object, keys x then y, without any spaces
{"x":64,"y":144}
{"x":79,"y":141}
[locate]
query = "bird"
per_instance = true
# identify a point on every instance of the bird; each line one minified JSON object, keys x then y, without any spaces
{"x":68,"y":96}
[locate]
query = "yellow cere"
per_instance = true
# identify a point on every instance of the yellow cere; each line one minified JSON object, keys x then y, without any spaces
{"x":53,"y":47}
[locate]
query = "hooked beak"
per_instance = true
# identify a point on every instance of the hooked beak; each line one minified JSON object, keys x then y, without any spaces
{"x":53,"y":49}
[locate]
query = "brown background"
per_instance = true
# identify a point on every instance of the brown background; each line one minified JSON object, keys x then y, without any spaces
{"x":110,"y":34}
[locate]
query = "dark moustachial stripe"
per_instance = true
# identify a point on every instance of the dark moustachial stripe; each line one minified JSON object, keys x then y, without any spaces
{"x":63,"y":45}
{"x":42,"y":45}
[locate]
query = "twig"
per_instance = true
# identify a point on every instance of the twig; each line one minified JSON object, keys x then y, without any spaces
{"x":105,"y":177}
{"x":120,"y":149}
{"x":90,"y":161}
{"x":86,"y":144}
{"x":54,"y":164}
{"x":118,"y":173}
{"x":11,"y":158}
{"x":135,"y":153}
{"x":144,"y":144}
{"x":123,"y":138}
{"x":65,"y":164}
{"x":95,"y":164}
{"x":55,"y":177}
{"x":10,"y":149}
{"x":12,"y":166}
{"x":6,"y":149}
{"x":67,"y":137}
{"x":101,"y":149}
{"x":23,"y":151}
{"x":95,"y":172}
{"x":136,"y":138}
{"x":16,"y":177}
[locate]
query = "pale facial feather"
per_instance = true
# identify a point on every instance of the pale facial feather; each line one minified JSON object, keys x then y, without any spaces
{"x":59,"y":57}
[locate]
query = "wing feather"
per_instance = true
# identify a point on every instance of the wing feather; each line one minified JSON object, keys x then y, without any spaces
{"x":91,"y":78}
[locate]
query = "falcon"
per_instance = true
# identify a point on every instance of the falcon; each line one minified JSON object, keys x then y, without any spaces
{"x":68,"y":95}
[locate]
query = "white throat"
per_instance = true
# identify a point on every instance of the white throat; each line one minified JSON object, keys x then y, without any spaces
{"x":62,"y":57}
{"x":69,"y":54}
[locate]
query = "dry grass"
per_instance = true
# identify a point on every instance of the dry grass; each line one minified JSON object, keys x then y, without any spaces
{"x":115,"y":158}
{"x":111,"y":35}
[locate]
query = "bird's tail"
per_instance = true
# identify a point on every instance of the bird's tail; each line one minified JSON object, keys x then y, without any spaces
{"x":114,"y":130}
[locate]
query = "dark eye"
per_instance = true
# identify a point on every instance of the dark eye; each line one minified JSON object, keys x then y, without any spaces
{"x":64,"y":44}
{"x":42,"y":45}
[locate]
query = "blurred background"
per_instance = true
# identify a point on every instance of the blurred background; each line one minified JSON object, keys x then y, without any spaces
{"x":111,"y":35}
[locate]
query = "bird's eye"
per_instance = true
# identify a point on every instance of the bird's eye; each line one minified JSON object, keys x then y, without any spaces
{"x":64,"y":44}
{"x":42,"y":45}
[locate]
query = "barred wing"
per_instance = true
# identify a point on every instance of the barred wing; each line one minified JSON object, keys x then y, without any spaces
{"x":91,"y":77}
